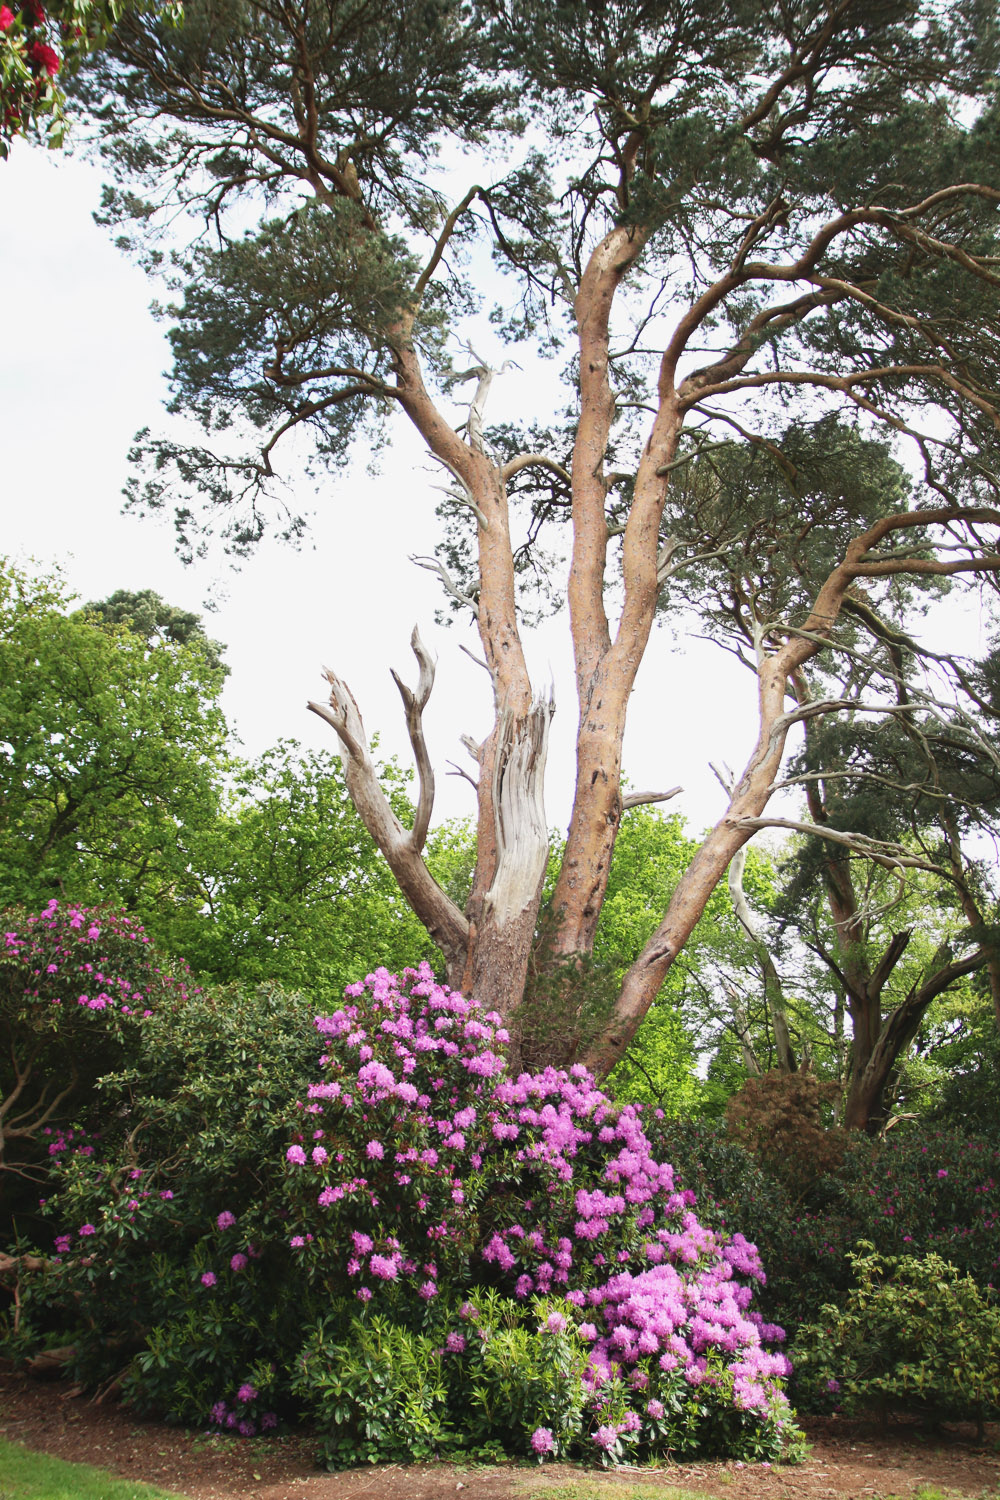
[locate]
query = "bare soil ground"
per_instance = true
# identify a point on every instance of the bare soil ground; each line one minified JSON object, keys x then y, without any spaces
{"x":848,"y":1460}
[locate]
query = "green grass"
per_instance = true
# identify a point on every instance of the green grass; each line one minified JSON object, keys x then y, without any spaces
{"x":25,"y":1475}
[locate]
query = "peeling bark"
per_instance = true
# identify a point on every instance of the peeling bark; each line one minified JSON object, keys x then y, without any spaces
{"x":506,"y":923}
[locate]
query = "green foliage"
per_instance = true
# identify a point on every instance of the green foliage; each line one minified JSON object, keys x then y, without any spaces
{"x":919,"y":1192}
{"x":109,"y":755}
{"x":377,"y":1390}
{"x":153,"y":620}
{"x":965,"y":1091}
{"x":922,"y":1190}
{"x":518,"y":1376}
{"x":193,"y":1129}
{"x":293,"y":890}
{"x":193,"y":1253}
{"x":914,"y":1334}
{"x":116,"y":786}
{"x":731,"y":1187}
{"x":74,"y":985}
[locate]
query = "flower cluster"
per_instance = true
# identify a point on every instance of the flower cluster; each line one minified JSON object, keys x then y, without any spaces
{"x":40,"y":42}
{"x":73,"y":955}
{"x":29,"y":61}
{"x":427,"y":1171}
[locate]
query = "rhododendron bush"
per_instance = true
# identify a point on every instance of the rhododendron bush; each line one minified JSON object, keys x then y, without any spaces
{"x":517,"y":1237}
{"x":74,"y":981}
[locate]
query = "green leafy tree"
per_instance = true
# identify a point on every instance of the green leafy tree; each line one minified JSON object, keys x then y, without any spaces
{"x":110,"y":753}
{"x":290,"y":889}
{"x":908,"y":792}
{"x":764,"y":237}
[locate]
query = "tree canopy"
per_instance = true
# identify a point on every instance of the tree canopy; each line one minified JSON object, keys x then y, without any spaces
{"x":762,"y":238}
{"x":110,"y":753}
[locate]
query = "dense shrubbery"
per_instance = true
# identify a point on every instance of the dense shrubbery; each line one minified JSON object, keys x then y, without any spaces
{"x":250,"y":1241}
{"x":913,"y":1335}
{"x":182,"y":1197}
{"x":915,"y":1194}
{"x":514,"y":1244}
{"x":74,"y":981}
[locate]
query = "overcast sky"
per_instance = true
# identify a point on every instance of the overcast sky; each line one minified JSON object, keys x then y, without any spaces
{"x":81,"y":369}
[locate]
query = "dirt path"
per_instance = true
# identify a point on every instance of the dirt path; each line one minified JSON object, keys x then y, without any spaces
{"x":849,"y":1460}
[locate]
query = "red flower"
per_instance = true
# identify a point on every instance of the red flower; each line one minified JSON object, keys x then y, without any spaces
{"x":6,"y":18}
{"x":42,"y":54}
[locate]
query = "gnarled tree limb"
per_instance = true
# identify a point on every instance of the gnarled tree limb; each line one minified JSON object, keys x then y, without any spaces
{"x":414,"y":705}
{"x":439,"y":914}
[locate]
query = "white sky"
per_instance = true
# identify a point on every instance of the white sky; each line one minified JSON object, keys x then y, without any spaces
{"x":81,"y":362}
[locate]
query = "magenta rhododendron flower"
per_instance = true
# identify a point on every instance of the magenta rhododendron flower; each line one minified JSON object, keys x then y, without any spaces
{"x":542,"y":1441}
{"x":439,"y":1169}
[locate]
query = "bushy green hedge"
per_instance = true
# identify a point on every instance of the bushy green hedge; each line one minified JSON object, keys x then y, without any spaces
{"x":913,"y":1335}
{"x":919,"y":1192}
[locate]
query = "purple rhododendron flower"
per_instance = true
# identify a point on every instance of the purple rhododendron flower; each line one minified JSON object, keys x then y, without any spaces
{"x":415,"y":1092}
{"x":542,"y":1441}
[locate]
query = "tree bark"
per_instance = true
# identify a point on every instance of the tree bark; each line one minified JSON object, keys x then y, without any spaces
{"x":497,"y":961}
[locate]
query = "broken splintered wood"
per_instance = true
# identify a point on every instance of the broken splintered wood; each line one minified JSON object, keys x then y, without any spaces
{"x":444,"y":921}
{"x":518,"y":787}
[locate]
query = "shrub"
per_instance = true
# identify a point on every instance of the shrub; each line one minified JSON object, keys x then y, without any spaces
{"x":171,"y":1259}
{"x":438,"y":1173}
{"x":523,"y":1227}
{"x":915,"y":1192}
{"x":915,"y":1334}
{"x":73,"y":983}
{"x":927,"y":1190}
{"x":377,"y":1391}
{"x":781,"y":1118}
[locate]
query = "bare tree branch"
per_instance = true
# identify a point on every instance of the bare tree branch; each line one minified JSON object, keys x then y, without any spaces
{"x":414,"y":705}
{"x":439,"y":914}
